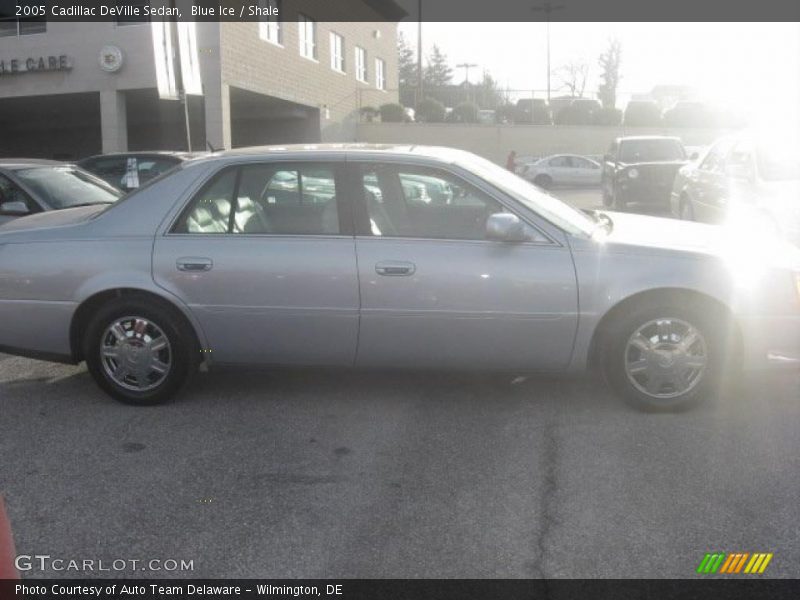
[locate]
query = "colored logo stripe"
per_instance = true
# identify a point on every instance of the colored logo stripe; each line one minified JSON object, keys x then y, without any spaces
{"x":721,"y":562}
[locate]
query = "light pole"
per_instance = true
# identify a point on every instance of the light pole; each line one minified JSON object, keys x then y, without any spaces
{"x":419,"y":54}
{"x":466,"y":67}
{"x":547,"y":8}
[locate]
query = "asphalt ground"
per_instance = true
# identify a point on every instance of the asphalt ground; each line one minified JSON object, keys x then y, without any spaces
{"x":322,"y":474}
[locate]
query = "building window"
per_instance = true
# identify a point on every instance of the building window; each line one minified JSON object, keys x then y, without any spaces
{"x":308,"y":36}
{"x":129,"y":19}
{"x":13,"y":26}
{"x":380,"y":74}
{"x":337,"y":52}
{"x":271,"y":29}
{"x":361,"y":64}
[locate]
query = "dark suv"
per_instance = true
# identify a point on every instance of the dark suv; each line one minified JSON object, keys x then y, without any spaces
{"x":641,"y":169}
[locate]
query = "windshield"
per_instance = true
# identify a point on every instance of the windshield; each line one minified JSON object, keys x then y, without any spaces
{"x":557,"y":212}
{"x":636,"y":151}
{"x":67,"y":186}
{"x":778,"y":163}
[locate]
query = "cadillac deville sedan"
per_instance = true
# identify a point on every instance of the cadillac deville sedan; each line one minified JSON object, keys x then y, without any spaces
{"x":320,"y":255}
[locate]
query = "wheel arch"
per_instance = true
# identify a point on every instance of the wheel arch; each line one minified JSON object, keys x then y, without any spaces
{"x":665,"y":296}
{"x":82,"y":315}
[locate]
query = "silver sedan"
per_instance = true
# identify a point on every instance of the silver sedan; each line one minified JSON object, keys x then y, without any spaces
{"x":322,"y":256}
{"x":562,"y":170}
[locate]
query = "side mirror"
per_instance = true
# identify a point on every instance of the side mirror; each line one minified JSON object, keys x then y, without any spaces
{"x":14,"y":209}
{"x":505,"y":227}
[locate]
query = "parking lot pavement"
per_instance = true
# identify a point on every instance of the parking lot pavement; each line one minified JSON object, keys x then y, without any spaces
{"x":331,"y":474}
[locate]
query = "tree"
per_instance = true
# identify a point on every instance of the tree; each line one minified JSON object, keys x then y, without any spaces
{"x":466,"y":112}
{"x":392,"y":113}
{"x":573,"y":77}
{"x":610,"y":62}
{"x":407,"y":71}
{"x":431,"y":110}
{"x":437,"y":73}
{"x":487,"y":94}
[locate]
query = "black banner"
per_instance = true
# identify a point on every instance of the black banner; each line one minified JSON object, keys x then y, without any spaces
{"x":400,"y":589}
{"x":405,"y":10}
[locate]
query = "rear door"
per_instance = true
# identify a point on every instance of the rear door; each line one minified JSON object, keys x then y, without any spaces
{"x":436,"y":293}
{"x":265,"y":258}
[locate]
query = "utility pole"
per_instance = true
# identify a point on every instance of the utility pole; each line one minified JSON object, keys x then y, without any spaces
{"x":466,"y":67}
{"x":419,"y":52}
{"x":547,"y":8}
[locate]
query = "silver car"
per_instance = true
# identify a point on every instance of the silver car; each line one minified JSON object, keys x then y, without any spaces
{"x":220,"y":262}
{"x":562,"y":169}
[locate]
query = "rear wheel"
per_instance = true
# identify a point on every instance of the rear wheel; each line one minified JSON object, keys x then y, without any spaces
{"x":543,"y":181}
{"x":139,"y":352}
{"x":664,"y":358}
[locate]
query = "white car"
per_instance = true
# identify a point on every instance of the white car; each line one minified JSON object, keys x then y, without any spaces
{"x":561,"y":169}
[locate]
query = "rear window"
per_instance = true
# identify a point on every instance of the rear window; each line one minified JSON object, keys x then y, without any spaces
{"x":67,"y":186}
{"x":635,"y":151}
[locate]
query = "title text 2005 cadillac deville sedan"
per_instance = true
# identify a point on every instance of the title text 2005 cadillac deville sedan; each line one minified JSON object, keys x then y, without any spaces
{"x":331,"y":255}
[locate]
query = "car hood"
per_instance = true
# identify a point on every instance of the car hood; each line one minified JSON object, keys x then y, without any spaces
{"x":644,"y":233}
{"x":53,"y":218}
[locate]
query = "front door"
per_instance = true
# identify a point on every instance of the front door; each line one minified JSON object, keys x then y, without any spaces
{"x":265,"y":259}
{"x":435,"y":293}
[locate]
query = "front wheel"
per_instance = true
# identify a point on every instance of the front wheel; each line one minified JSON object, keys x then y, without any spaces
{"x":139,"y":352}
{"x":664,"y":358}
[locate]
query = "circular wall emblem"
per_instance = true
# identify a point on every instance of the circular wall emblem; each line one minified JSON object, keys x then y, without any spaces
{"x":110,"y":59}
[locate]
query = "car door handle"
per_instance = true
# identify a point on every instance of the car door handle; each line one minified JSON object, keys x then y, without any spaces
{"x":395,"y":268}
{"x":194,"y":264}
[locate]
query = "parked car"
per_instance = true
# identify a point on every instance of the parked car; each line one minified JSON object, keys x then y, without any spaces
{"x":199,"y":266}
{"x":128,"y":170}
{"x":29,"y":186}
{"x":561,"y":169}
{"x":744,"y":178}
{"x":641,"y":169}
{"x":535,"y":111}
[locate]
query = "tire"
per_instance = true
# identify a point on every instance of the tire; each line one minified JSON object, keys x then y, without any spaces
{"x":618,"y":203}
{"x":686,"y":210}
{"x":608,"y":198}
{"x":653,"y":372}
{"x":140,"y":351}
{"x":543,"y":181}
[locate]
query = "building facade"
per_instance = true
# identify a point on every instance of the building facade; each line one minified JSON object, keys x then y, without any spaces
{"x":68,"y":90}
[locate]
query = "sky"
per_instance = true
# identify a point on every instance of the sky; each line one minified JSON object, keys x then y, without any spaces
{"x":752,"y":68}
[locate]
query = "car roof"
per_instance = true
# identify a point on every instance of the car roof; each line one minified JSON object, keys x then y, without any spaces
{"x":181,"y":155}
{"x":300,"y":150}
{"x":24,"y":163}
{"x":648,"y":137}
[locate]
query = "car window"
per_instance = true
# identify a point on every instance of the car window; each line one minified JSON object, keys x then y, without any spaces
{"x":647,"y":150}
{"x":560,"y":161}
{"x":715,"y":159}
{"x":210,"y":210}
{"x":287,"y":200}
{"x":67,"y":186}
{"x":403,"y":202}
{"x":582,"y":163}
{"x":11,"y":192}
{"x":265,"y":199}
{"x":111,"y":169}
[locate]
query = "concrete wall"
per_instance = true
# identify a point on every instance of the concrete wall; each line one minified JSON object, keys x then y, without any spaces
{"x":495,"y":142}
